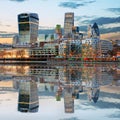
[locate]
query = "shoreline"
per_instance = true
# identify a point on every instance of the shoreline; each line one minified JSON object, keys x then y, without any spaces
{"x":57,"y":62}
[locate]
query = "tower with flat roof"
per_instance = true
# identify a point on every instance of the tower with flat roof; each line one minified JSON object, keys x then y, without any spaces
{"x":28,"y":28}
{"x":68,"y":24}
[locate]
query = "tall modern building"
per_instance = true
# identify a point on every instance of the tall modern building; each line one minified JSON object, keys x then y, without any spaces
{"x":92,"y":47}
{"x":28,"y":28}
{"x":68,"y":24}
{"x":95,"y":31}
{"x":89,"y":33}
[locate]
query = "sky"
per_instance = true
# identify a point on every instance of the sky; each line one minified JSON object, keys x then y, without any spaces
{"x":51,"y":12}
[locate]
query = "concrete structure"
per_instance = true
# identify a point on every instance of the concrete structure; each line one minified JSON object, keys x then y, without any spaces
{"x":43,"y":53}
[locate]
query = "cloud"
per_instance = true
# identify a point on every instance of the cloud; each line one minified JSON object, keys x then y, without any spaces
{"x":83,"y":20}
{"x":103,"y":20}
{"x":74,"y":4}
{"x":5,"y":25}
{"x":18,"y":0}
{"x":106,"y":20}
{"x":8,"y":25}
{"x":91,"y":1}
{"x":1,"y":32}
{"x":115,"y":10}
{"x":78,"y":18}
{"x":109,"y":30}
{"x":105,"y":24}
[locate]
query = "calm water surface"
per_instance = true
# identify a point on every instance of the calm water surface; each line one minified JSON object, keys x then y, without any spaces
{"x":60,"y":92}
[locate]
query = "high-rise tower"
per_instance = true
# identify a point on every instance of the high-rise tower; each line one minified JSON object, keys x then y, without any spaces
{"x":95,"y":31}
{"x":89,"y":33}
{"x":28,"y":28}
{"x":68,"y":24}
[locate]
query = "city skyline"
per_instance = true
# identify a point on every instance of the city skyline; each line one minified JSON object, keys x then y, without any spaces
{"x":104,"y":12}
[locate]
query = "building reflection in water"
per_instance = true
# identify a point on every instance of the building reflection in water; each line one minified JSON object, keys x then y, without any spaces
{"x":28,"y":96}
{"x":92,"y":84}
{"x":64,"y":82}
{"x":68,"y":99}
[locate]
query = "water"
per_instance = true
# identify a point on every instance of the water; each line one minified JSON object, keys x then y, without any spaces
{"x":60,"y":92}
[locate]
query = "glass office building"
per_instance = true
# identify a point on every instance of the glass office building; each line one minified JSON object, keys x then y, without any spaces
{"x":68,"y":24}
{"x":28,"y":28}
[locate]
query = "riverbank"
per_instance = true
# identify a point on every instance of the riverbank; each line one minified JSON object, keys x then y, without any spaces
{"x":53,"y":62}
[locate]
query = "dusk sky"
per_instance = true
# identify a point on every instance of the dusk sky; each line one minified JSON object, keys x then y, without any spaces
{"x":51,"y":12}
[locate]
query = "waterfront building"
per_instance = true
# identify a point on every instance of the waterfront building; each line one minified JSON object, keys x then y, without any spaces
{"x":71,"y":48}
{"x":28,"y":96}
{"x":46,"y":52}
{"x":28,"y":28}
{"x":68,"y":24}
{"x":106,"y":46}
{"x":92,"y":48}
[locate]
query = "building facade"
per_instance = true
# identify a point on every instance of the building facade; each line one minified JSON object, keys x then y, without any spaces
{"x":106,"y":46}
{"x":68,"y":24}
{"x":92,"y":48}
{"x":72,"y":48}
{"x":28,"y":28}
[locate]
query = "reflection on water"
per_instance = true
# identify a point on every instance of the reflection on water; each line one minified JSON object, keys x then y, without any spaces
{"x":78,"y":86}
{"x":28,"y":96}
